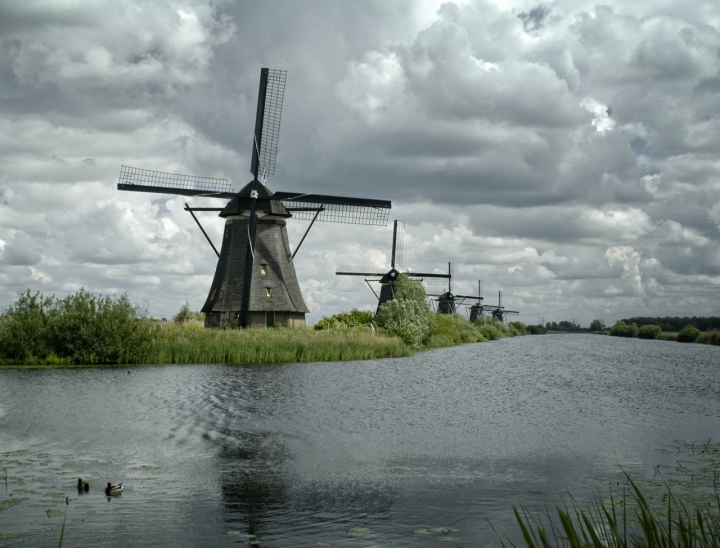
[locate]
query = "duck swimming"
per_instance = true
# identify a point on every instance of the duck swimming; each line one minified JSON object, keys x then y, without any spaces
{"x":113,"y":489}
{"x":83,"y":485}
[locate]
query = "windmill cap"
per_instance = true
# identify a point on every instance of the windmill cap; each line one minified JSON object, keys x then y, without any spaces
{"x":391,"y":276}
{"x":243,"y":202}
{"x":262,"y":190}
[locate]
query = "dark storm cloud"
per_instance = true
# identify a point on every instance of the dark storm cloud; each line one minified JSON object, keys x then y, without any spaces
{"x":533,"y":19}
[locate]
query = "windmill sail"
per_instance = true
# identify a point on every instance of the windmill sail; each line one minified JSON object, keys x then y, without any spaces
{"x":147,"y":180}
{"x":302,"y":206}
{"x":347,"y":270}
{"x":267,"y":121}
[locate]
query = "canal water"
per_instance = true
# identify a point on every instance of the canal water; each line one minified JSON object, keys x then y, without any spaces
{"x":431,"y":450}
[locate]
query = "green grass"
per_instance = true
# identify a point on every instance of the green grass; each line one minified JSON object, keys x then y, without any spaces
{"x":677,"y":507}
{"x":631,"y":521}
{"x":191,"y":343}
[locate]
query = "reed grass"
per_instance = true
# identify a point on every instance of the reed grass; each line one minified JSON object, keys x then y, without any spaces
{"x":190,"y":343}
{"x":628,"y":522}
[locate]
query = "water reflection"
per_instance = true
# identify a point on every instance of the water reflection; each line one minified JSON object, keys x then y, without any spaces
{"x":402,"y":451}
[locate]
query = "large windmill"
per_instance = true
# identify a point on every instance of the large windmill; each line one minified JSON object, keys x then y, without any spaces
{"x":255,"y":280}
{"x":388,"y":277}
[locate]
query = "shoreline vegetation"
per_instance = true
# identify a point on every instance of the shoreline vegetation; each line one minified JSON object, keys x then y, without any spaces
{"x":678,"y":507}
{"x":85,"y":330}
{"x":688,"y":334}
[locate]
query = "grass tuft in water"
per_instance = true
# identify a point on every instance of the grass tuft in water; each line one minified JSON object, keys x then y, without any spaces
{"x":615,"y":526}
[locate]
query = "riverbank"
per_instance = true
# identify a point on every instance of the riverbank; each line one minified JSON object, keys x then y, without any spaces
{"x":88,"y":330}
{"x":688,"y":334}
{"x":185,"y":343}
{"x":191,"y":343}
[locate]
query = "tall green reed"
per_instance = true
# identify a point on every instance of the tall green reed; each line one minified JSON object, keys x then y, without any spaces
{"x":618,"y":526}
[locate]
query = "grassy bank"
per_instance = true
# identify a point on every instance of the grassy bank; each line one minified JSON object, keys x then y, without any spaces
{"x":191,"y":343}
{"x":84,"y":329}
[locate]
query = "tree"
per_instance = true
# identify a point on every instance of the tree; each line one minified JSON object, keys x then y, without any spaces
{"x":649,"y":332}
{"x":597,"y":325}
{"x":621,"y":329}
{"x":186,"y":315}
{"x":689,"y":333}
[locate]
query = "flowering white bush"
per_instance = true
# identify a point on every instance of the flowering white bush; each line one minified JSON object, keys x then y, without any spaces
{"x":407,"y":316}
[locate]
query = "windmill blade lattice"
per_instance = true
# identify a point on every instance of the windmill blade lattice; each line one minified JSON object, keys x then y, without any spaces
{"x":336,"y":209}
{"x":274,"y":95}
{"x":433,"y":281}
{"x":348,"y":270}
{"x":147,"y":180}
{"x":399,"y":244}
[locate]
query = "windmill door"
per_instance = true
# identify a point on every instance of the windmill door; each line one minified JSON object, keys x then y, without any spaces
{"x":270,"y":319}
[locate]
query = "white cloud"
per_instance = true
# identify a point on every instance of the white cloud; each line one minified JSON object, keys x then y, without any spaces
{"x":565,"y":154}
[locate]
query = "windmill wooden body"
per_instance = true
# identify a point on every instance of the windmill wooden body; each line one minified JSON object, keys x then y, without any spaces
{"x":255,"y":281}
{"x":387,"y":278}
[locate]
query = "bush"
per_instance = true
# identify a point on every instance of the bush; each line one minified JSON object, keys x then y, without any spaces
{"x":535,"y":329}
{"x":407,"y":316}
{"x":621,"y":329}
{"x":404,"y":319}
{"x":348,"y":319}
{"x":187,"y":315}
{"x":440,"y":341}
{"x":490,"y":331}
{"x":597,"y":325}
{"x":711,"y":337}
{"x":649,"y":332}
{"x":518,"y":327}
{"x":80,"y":329}
{"x":688,"y":333}
{"x":456,"y":327}
{"x":24,"y":329}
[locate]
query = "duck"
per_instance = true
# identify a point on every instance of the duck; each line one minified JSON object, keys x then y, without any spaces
{"x":83,"y":485}
{"x":113,"y":489}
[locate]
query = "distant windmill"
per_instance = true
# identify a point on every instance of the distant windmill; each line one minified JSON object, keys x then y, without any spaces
{"x":496,"y":312}
{"x":255,"y":280}
{"x":388,"y":277}
{"x":447,"y":302}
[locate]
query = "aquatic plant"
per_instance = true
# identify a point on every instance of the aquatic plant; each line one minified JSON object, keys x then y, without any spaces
{"x":617,"y":527}
{"x":677,"y":507}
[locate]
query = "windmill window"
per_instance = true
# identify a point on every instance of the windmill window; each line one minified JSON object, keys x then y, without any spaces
{"x":263,"y":269}
{"x":268,"y":292}
{"x":212,"y":297}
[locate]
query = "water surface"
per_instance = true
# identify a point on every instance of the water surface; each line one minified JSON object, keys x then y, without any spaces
{"x":419,"y":451}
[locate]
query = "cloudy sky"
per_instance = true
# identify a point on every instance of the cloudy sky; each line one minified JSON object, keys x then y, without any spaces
{"x":566,"y":153}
